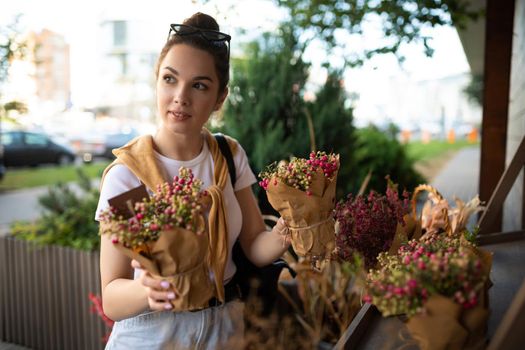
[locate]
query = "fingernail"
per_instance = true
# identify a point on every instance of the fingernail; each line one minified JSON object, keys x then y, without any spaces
{"x":165,"y":284}
{"x":167,"y":306}
{"x":171,"y":295}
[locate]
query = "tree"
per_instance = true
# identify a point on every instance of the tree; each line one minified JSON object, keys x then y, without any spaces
{"x":474,"y":89}
{"x":402,"y":20}
{"x":264,"y":111}
{"x":12,"y":47}
{"x":334,"y":130}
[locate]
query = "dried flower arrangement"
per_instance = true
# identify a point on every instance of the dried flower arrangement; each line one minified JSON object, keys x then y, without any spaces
{"x":303,"y":192}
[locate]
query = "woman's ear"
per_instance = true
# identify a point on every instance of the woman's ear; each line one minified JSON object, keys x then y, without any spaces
{"x":221,"y":99}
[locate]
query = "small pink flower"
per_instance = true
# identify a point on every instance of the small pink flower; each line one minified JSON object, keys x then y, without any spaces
{"x":399,"y":291}
{"x":412,"y":283}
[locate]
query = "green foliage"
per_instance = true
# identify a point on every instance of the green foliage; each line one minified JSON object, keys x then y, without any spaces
{"x":428,"y":151}
{"x":472,"y":234}
{"x":11,"y":46}
{"x":68,"y":219}
{"x":47,"y":175}
{"x":334,"y":131}
{"x":18,"y":106}
{"x":265,"y":109}
{"x":268,"y":115}
{"x":402,"y":20}
{"x":474,"y":89}
{"x":383,"y":155}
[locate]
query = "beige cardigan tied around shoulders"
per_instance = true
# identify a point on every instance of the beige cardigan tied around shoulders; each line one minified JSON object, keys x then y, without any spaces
{"x":138,"y":156}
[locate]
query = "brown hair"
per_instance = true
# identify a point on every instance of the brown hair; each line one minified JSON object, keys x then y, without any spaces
{"x":219,"y":52}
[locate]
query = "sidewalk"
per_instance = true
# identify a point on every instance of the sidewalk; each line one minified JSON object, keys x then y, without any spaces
{"x":460,"y":179}
{"x":460,"y":176}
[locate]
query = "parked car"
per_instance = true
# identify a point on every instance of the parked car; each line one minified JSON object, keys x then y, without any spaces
{"x":117,"y":140}
{"x":2,"y":166}
{"x":93,"y":145}
{"x":22,"y":148}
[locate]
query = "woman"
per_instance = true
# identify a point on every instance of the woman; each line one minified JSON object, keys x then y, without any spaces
{"x":192,"y":77}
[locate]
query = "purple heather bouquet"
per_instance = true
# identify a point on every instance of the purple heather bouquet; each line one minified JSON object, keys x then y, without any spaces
{"x":367,"y":225}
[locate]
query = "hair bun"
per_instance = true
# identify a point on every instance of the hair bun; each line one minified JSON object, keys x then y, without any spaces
{"x":202,"y":21}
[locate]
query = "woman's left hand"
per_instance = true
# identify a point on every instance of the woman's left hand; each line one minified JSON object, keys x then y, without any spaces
{"x":282,"y":230}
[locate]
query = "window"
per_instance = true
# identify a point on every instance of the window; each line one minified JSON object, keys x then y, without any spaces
{"x":119,"y":33}
{"x":12,"y":139}
{"x":36,"y":140}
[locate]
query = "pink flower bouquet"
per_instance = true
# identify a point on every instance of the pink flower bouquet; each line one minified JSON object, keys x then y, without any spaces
{"x":303,"y":192}
{"x":439,"y":282}
{"x":166,"y":234}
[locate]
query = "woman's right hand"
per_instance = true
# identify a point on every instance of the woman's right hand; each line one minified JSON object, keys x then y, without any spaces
{"x":159,"y":292}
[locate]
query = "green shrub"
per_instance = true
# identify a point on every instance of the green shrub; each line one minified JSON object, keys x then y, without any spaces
{"x":68,"y":217}
{"x":382,"y":154}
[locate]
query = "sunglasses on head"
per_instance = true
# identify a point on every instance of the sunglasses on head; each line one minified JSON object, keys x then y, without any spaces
{"x":208,"y":34}
{"x":213,"y":36}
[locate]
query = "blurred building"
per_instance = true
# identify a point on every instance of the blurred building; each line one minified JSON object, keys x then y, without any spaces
{"x":41,"y":78}
{"x":425,"y":107}
{"x":52,"y":68}
{"x":126,"y":62}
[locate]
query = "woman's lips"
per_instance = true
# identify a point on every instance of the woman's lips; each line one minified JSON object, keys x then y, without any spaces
{"x":179,"y":116}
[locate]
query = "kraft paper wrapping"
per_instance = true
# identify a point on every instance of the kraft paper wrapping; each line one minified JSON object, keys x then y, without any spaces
{"x":179,"y":257}
{"x":309,"y":218}
{"x":444,"y":325}
{"x":409,"y":229}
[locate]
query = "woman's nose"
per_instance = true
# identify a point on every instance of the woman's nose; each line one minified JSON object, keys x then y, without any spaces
{"x":181,"y":96}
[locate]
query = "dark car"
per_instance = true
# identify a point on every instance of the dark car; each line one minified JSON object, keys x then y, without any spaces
{"x":93,"y":146}
{"x":117,"y":140}
{"x":2,"y":166}
{"x":23,"y":148}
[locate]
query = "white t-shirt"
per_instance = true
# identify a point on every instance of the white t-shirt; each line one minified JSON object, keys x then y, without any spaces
{"x":120,"y":179}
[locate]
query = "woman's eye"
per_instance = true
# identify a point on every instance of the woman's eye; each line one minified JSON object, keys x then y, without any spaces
{"x":200,"y":86}
{"x":168,"y":79}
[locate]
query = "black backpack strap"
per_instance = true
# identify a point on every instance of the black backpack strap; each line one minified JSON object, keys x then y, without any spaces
{"x":267,"y":276}
{"x":227,"y":154}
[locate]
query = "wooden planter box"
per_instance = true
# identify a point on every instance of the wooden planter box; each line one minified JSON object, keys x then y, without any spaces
{"x":44,"y":296}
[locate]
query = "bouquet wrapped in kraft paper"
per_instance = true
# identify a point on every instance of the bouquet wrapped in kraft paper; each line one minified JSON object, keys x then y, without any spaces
{"x":303,"y":192}
{"x":439,"y":283}
{"x":166,"y":234}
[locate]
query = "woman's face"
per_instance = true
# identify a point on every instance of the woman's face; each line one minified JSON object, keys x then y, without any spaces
{"x":187,"y":89}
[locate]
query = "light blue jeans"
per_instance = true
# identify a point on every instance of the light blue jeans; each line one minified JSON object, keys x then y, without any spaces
{"x":220,"y":327}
